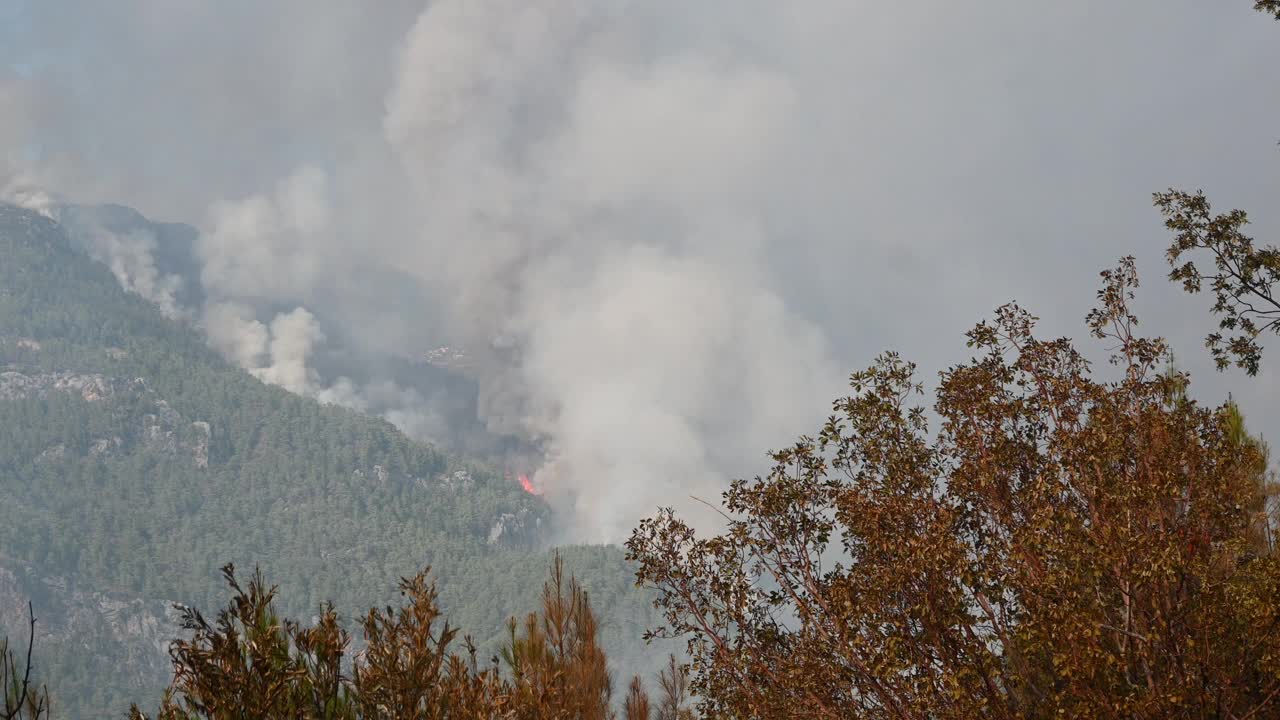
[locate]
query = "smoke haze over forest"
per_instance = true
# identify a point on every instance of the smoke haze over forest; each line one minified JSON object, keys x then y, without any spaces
{"x":665,"y":232}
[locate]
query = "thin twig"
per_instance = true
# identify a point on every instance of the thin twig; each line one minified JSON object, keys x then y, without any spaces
{"x":11,"y":712}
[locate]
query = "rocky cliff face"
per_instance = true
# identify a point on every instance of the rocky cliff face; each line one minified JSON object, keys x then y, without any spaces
{"x":70,"y":618}
{"x":158,"y":428}
{"x":16,"y":385}
{"x":521,"y":528}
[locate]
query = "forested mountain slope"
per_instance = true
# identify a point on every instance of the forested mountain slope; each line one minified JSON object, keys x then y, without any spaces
{"x":134,"y":462}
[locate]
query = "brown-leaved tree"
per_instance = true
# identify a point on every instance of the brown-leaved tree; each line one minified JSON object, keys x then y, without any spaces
{"x":1063,"y":545}
{"x":558,"y":670}
{"x":1244,"y":279}
{"x":252,"y":663}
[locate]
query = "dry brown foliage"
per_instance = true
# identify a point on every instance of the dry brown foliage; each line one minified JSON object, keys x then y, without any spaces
{"x":251,"y":663}
{"x":1062,"y":546}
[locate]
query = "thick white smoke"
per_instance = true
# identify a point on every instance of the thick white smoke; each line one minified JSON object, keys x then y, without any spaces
{"x":131,"y":258}
{"x":268,"y":247}
{"x":283,"y":247}
{"x":129,"y":254}
{"x":598,"y":208}
{"x":278,"y":353}
{"x":644,"y":220}
{"x":582,"y":200}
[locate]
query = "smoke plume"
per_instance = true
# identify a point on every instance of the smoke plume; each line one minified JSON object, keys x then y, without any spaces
{"x":661,"y":232}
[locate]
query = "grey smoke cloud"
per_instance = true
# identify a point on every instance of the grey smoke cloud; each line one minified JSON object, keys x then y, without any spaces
{"x":665,"y":230}
{"x":130,"y":253}
{"x":598,"y":206}
{"x":131,"y":257}
{"x":268,"y":246}
{"x":278,"y":353}
{"x":234,"y":331}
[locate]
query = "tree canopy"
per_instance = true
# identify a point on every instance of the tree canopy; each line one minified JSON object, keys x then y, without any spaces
{"x":1063,"y":545}
{"x":253,"y":663}
{"x":1243,"y":280}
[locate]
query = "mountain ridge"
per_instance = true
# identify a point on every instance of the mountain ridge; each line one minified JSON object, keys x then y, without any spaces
{"x":135,"y":461}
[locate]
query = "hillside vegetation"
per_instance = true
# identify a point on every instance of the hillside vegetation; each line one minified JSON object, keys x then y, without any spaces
{"x":135,"y":462}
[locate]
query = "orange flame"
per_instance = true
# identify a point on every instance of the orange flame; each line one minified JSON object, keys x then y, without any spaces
{"x":528,"y":485}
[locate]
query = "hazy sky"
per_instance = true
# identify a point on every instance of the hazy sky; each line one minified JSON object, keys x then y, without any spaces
{"x":801,"y":184}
